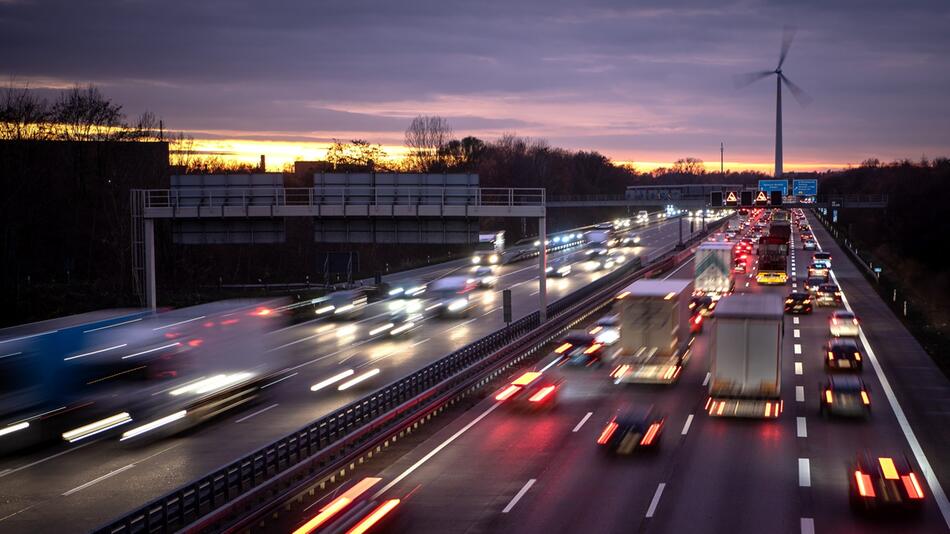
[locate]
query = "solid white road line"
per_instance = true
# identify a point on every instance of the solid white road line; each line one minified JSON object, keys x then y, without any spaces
{"x":804,"y":473}
{"x":800,"y":393}
{"x":689,"y":421}
{"x":583,"y":420}
{"x":436,"y":450}
{"x":802,"y":427}
{"x":706,"y":380}
{"x":31,"y":464}
{"x":808,"y":525}
{"x":939,"y":496}
{"x":258,"y":412}
{"x":656,"y":499}
{"x":798,"y":348}
{"x":524,"y":489}
{"x":97,"y":480}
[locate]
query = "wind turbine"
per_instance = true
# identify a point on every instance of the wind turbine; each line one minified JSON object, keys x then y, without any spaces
{"x":743,"y":80}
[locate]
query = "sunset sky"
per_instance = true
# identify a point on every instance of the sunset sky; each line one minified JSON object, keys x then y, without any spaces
{"x":643,"y":82}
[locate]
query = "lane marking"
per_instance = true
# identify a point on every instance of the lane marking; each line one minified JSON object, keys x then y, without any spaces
{"x":258,"y":412}
{"x":797,"y":333}
{"x":583,"y":420}
{"x":178,"y":323}
{"x":795,"y":320}
{"x":265,"y":386}
{"x":95,"y":352}
{"x":689,"y":421}
{"x":801,"y":427}
{"x":417,"y":343}
{"x":31,"y":464}
{"x":909,"y":435}
{"x":436,"y":450}
{"x":706,"y":380}
{"x":808,"y":525}
{"x":656,"y":499}
{"x":800,"y":393}
{"x":524,"y":489}
{"x":97,"y":480}
{"x":804,"y":472}
{"x":463,"y":324}
{"x":798,"y":368}
{"x":798,"y":348}
{"x":175,"y":344}
{"x":4,"y":518}
{"x":111,"y":325}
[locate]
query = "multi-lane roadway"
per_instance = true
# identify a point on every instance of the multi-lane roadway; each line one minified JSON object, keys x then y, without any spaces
{"x":497,"y":470}
{"x":78,"y":487}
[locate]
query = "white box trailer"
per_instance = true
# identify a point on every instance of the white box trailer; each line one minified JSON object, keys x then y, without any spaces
{"x":654,"y":331}
{"x":713,"y":269}
{"x":746,"y":355}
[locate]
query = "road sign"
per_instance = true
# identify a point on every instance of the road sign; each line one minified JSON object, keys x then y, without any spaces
{"x":775,"y":198}
{"x":774,"y":185}
{"x":745,"y":198}
{"x":761,"y":198}
{"x":805,"y":188}
{"x":715,"y":199}
{"x":732,"y":198}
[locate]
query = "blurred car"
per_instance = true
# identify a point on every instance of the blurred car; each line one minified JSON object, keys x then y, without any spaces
{"x":531,"y":390}
{"x":814,"y":282}
{"x":771,"y":278}
{"x":579,"y":348}
{"x":483,"y":277}
{"x":818,"y":269}
{"x":343,"y":305}
{"x":809,"y":244}
{"x":843,"y":324}
{"x":843,"y":354}
{"x":845,"y":395}
{"x":822,"y":256}
{"x":828,"y":295}
{"x":739,"y":267}
{"x":702,"y":305}
{"x":883,"y":484}
{"x":607,"y":330}
{"x":798,"y":302}
{"x":449,"y":296}
{"x":632,"y":429}
{"x":559,"y":270}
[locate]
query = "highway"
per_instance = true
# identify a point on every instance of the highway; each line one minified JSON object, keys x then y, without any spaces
{"x":497,"y":470}
{"x":79,"y":487}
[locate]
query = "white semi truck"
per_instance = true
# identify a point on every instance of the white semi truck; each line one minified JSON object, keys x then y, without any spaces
{"x":713,"y":269}
{"x":654,"y":331}
{"x":746,"y":355}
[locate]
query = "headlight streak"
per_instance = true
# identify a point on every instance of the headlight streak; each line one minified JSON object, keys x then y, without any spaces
{"x":138,"y":431}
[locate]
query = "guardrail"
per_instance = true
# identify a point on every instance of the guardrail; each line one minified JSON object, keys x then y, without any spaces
{"x":188,"y":197}
{"x":241,"y":486}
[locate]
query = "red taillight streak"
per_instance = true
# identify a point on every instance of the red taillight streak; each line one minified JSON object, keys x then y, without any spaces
{"x":865,"y":488}
{"x":608,"y":431}
{"x":507,"y":393}
{"x":912,"y":486}
{"x":593,"y":348}
{"x":651,"y":434}
{"x":374,"y":517}
{"x":542,"y":394}
{"x":708,"y":401}
{"x":698,"y":319}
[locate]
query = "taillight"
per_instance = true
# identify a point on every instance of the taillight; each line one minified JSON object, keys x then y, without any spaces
{"x":834,"y":320}
{"x":855,"y":321}
{"x":857,"y":356}
{"x":374,"y":517}
{"x":831,"y":355}
{"x":865,"y":399}
{"x":865,"y":488}
{"x":506,"y":393}
{"x":828,"y":396}
{"x":768,"y":409}
{"x":651,"y":434}
{"x":542,"y":394}
{"x":619,"y":371}
{"x":914,"y":491}
{"x":607,"y":432}
{"x":563,"y":348}
{"x":698,"y":320}
{"x":593,"y":348}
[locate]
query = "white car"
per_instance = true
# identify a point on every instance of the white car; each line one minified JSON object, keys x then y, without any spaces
{"x":843,"y":324}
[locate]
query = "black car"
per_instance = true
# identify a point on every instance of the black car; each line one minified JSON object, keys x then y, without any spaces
{"x":798,"y":302}
{"x":845,"y":395}
{"x":632,"y":429}
{"x":843,"y":354}
{"x":812,"y":283}
{"x":881,"y":484}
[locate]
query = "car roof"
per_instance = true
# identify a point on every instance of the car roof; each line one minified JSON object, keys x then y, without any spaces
{"x":842,"y":343}
{"x":828,"y":287}
{"x":636,"y":414}
{"x":821,"y":253}
{"x":798,"y":294}
{"x":842,"y":313}
{"x":846,"y":382}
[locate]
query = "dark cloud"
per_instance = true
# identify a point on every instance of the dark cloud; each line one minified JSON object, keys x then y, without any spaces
{"x":643,"y":79}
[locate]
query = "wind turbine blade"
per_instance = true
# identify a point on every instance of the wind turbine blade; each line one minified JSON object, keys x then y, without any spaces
{"x":742,"y":80}
{"x":796,"y":91}
{"x":787,"y":36}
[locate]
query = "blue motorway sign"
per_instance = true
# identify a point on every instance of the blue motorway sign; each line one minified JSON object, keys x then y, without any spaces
{"x":805,"y":188}
{"x":774,"y":185}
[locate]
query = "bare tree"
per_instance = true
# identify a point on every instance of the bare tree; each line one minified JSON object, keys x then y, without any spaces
{"x":426,"y":138}
{"x":358,"y":153}
{"x":689,"y":166}
{"x":86,"y":115}
{"x":181,"y":151}
{"x":23,"y":115}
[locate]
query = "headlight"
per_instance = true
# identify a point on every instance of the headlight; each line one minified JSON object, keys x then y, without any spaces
{"x":413,"y":306}
{"x":564,"y":270}
{"x":396,"y":305}
{"x":458,"y":304}
{"x":493,"y":258}
{"x":476,"y":260}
